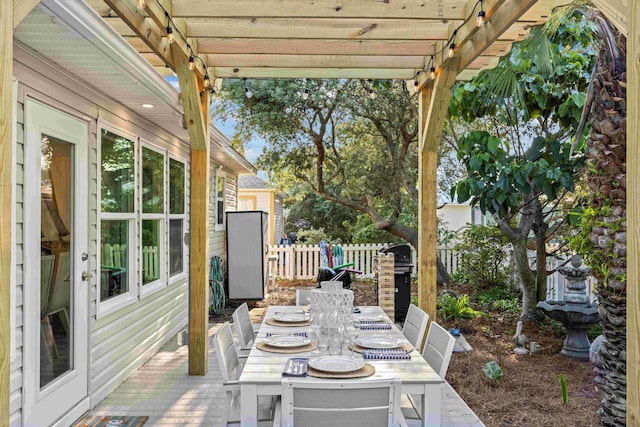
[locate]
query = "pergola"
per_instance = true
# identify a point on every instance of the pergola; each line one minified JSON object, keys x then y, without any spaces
{"x":360,"y":39}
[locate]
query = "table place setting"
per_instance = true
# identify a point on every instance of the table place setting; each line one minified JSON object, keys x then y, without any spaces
{"x":297,"y":318}
{"x":386,"y":354}
{"x":298,"y":334}
{"x":286,"y":344}
{"x":365,"y":325}
{"x":328,"y":367}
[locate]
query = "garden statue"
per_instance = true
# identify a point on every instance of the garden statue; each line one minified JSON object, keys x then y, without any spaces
{"x":596,"y":358}
{"x":520,"y":340}
{"x":576,"y":312}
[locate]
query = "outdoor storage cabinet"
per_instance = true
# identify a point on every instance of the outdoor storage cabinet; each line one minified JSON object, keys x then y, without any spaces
{"x":247,"y":252}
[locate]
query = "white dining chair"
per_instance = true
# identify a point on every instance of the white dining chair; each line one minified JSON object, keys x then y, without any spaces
{"x":243,"y":327}
{"x":340,"y":403}
{"x":438,"y":348}
{"x":415,"y":326}
{"x":230,"y":369}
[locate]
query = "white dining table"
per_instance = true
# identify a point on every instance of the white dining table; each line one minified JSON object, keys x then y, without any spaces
{"x":262,"y":372}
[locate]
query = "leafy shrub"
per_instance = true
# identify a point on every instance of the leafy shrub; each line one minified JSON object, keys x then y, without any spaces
{"x":312,"y":236}
{"x":452,"y":308}
{"x":484,"y":256}
{"x":500,"y":299}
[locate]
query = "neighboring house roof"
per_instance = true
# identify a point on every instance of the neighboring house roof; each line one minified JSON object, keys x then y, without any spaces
{"x":253,"y":182}
{"x":72,"y":35}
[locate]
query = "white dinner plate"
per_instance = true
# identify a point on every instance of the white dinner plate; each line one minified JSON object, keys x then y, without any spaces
{"x":336,"y":364}
{"x":370,"y":318}
{"x":286,"y":341}
{"x":292,"y":317}
{"x":378,"y":341}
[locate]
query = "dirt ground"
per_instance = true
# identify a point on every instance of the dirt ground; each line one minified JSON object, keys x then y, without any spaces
{"x":529,"y":393}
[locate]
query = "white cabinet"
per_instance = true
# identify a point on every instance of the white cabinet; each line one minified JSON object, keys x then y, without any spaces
{"x":247,"y":252}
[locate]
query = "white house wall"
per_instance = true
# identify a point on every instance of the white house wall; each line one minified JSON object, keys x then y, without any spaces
{"x":122,"y":340}
{"x":216,"y":238}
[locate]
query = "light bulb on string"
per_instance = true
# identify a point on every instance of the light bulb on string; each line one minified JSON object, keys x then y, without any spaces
{"x":372,"y":94}
{"x":247,"y":91}
{"x":481,"y":16}
{"x":452,"y":49}
{"x":206,"y":82}
{"x":141,"y":4}
{"x":170,"y":34}
{"x":432,"y":72}
{"x":192,"y":62}
{"x":305,"y":94}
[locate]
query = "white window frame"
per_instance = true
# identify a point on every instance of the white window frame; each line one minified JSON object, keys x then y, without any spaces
{"x":183,"y":216}
{"x":219,"y":174}
{"x":147,"y":289}
{"x":129,"y":297}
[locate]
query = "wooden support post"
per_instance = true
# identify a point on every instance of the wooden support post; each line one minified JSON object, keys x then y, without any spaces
{"x":196,"y":111}
{"x":434,"y":104}
{"x":6,"y":142}
{"x":633,"y":215}
{"x":21,"y":9}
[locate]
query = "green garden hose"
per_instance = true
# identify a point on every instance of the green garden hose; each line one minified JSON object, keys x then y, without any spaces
{"x":216,"y":286}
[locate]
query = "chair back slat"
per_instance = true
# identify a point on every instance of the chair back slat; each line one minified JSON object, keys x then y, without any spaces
{"x":244,"y":328}
{"x":438,"y":348}
{"x":415,"y":326}
{"x":226,"y":353}
{"x":334,"y":403}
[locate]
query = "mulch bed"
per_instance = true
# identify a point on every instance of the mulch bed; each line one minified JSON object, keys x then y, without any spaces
{"x":529,"y":393}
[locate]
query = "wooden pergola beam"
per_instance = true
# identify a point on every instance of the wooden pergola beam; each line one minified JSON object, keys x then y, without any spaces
{"x":195,"y":102}
{"x":433,"y":107}
{"x":471,"y":41}
{"x":312,"y":73}
{"x":633,"y":215}
{"x":6,"y":220}
{"x":153,"y":30}
{"x":616,"y":11}
{"x":21,"y":9}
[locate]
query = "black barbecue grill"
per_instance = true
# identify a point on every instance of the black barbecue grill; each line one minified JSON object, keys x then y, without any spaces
{"x":402,"y":269}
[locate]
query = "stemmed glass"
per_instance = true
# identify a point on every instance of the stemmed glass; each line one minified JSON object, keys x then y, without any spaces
{"x":351,"y":333}
{"x":314,"y":334}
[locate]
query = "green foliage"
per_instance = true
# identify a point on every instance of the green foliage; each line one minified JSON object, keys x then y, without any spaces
{"x":314,"y":212}
{"x":452,"y":308}
{"x":484,"y":254}
{"x":594,"y":331}
{"x":364,"y":231}
{"x":492,"y":370}
{"x":598,"y":259}
{"x":503,"y":299}
{"x":312,"y":236}
{"x":565,"y":393}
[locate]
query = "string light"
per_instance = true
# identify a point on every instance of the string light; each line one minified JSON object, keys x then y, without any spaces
{"x":432,"y":72}
{"x":170,"y":34}
{"x":481,"y":16}
{"x":372,"y":94}
{"x":247,"y":91}
{"x":452,"y":45}
{"x":141,"y":4}
{"x":305,"y":94}
{"x":192,"y":62}
{"x":206,"y":82}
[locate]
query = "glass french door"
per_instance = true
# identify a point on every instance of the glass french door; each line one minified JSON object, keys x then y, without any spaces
{"x":56,"y":265}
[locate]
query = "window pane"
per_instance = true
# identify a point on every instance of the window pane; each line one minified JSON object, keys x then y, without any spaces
{"x":175,"y":247}
{"x":117,"y":173}
{"x":220,"y":200}
{"x":152,"y":181}
{"x":114,"y":252}
{"x":176,"y":187}
{"x":150,"y":250}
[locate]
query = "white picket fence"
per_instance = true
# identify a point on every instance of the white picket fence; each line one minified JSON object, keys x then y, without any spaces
{"x":303,"y":262}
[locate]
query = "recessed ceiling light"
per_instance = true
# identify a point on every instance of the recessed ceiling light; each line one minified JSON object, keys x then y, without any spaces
{"x":147,"y":105}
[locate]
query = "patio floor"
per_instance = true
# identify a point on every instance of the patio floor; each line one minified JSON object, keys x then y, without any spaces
{"x":162,"y":390}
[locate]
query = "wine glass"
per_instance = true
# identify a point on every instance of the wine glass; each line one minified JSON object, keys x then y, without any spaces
{"x":314,"y":335}
{"x":351,"y":332}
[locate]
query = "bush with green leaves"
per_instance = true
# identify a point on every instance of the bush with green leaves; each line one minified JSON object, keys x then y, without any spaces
{"x":503,"y":299}
{"x":484,"y":255}
{"x":312,"y":236}
{"x":452,"y":308}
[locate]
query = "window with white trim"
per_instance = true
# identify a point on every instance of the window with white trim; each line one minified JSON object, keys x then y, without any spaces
{"x":177,"y":217}
{"x":142,"y":218}
{"x":219,"y":190}
{"x":153,"y":216}
{"x":117,"y":214}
